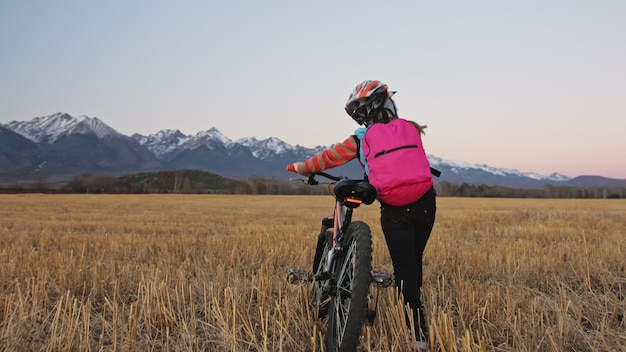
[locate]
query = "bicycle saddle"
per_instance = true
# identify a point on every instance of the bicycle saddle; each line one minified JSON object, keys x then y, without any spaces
{"x":358,"y":189}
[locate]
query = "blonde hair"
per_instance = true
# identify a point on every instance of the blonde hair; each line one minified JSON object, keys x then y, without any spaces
{"x":419,"y":127}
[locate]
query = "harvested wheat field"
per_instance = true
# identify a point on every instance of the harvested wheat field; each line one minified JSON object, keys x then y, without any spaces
{"x":207,"y":273}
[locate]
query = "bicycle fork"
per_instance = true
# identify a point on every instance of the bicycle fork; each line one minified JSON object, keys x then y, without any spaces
{"x":326,"y":274}
{"x":297,"y":276}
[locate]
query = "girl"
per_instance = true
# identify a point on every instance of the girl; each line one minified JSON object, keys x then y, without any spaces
{"x":391,"y":152}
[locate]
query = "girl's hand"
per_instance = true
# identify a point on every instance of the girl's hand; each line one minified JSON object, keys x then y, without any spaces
{"x":298,"y":167}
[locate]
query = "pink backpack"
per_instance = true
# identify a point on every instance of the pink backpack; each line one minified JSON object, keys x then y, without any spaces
{"x":395,"y":162}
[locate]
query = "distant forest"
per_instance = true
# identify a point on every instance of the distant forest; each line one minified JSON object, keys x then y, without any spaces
{"x":202,"y":182}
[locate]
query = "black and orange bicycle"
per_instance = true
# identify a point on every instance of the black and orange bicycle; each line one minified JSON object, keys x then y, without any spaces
{"x":342,"y":274}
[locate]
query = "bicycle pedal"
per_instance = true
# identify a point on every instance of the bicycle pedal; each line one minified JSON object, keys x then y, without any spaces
{"x":322,"y":276}
{"x":298,"y":276}
{"x":381,"y":279}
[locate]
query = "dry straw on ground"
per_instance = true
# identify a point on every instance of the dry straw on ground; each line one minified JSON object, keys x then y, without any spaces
{"x":207,"y":273}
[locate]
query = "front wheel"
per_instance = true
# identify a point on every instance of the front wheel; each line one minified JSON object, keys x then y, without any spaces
{"x":347,"y":309}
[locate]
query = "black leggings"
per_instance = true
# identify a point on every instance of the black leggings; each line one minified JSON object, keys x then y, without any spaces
{"x":407,"y":229}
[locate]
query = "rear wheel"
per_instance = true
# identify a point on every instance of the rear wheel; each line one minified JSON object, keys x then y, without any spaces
{"x":347,"y":309}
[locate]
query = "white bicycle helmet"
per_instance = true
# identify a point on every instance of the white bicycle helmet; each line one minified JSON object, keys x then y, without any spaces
{"x":371,"y":102}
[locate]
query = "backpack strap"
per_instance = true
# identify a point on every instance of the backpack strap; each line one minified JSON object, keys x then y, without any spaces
{"x":358,"y":142}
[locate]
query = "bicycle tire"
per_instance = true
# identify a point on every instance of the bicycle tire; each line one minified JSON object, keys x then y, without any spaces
{"x":318,"y":296}
{"x":347,"y":310}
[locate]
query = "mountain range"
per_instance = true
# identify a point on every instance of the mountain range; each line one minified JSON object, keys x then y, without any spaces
{"x":60,"y":146}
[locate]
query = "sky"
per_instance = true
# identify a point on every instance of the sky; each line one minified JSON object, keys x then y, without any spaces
{"x":537,"y":86}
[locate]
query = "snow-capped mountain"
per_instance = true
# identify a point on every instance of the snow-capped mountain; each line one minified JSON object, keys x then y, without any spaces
{"x":166,"y":142}
{"x":461,"y":167}
{"x":211,"y":139}
{"x":48,"y":129}
{"x":162,"y":142}
{"x":265,"y":148}
{"x":211,"y":150}
{"x":273,"y":147}
{"x":63,"y":145}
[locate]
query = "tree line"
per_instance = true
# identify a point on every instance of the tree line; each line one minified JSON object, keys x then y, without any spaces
{"x":447,"y":189}
{"x":202,"y":182}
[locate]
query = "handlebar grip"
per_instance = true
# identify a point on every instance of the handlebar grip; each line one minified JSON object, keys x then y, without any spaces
{"x":291,"y":168}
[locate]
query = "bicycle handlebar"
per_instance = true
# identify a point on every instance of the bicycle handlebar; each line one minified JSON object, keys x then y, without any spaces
{"x":312,"y":181}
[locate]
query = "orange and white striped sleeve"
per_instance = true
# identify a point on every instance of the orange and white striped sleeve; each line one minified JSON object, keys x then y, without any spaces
{"x":337,"y":155}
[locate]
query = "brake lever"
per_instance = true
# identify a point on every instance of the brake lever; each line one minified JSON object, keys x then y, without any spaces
{"x":309,"y":181}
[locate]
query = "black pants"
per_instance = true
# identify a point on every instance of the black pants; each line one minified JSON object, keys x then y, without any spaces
{"x":407,"y":229}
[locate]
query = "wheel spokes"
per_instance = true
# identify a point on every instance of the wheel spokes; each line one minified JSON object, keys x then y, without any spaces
{"x":343,"y":296}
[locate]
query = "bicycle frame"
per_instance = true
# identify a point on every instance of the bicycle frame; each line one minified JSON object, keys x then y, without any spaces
{"x":342,"y":218}
{"x":339,"y":222}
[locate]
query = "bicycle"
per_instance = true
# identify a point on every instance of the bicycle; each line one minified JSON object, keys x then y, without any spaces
{"x":342,"y":273}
